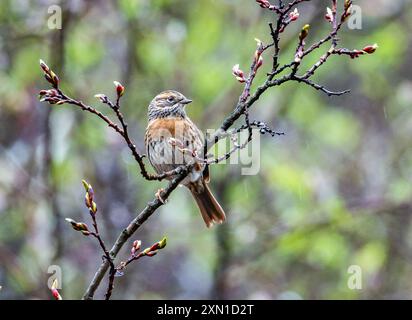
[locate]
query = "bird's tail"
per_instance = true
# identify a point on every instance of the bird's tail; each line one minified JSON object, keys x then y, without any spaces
{"x":212,"y":212}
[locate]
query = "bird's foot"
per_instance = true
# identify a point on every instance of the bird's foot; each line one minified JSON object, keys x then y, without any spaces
{"x":159,"y":197}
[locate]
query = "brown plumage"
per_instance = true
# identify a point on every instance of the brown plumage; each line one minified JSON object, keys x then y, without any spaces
{"x":168,"y":132}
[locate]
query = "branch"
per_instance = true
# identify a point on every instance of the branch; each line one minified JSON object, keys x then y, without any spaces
{"x":133,"y":226}
{"x":285,"y":16}
{"x":84,"y":229}
{"x":134,"y":256}
{"x":56,"y":96}
{"x":300,"y":54}
{"x":320,"y":87}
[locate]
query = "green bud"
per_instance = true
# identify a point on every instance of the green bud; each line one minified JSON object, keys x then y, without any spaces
{"x":86,"y":185}
{"x":304,"y":33}
{"x":162,"y":243}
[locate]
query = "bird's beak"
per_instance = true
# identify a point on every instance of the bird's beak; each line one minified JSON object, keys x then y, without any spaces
{"x":185,"y":101}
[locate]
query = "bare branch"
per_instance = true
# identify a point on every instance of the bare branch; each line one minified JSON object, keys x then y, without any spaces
{"x":247,"y":98}
{"x":319,"y":87}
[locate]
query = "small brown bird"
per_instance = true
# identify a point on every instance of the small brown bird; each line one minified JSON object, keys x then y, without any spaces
{"x":172,"y":139}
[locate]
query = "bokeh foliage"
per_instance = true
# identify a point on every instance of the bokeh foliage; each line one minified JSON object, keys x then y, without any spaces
{"x":333,"y":192}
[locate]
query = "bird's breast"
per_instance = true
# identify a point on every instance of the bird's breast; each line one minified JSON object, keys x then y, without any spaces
{"x":171,"y":142}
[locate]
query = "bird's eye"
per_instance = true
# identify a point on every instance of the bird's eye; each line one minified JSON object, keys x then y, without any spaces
{"x":171,"y":99}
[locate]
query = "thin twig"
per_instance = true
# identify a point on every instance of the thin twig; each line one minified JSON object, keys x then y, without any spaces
{"x":244,"y":103}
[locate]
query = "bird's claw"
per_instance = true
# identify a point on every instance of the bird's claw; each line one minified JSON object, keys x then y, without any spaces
{"x":159,"y":197}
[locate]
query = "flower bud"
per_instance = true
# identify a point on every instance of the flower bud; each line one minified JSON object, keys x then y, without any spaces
{"x":329,"y":14}
{"x":54,"y":290}
{"x":91,"y":192}
{"x":56,"y":294}
{"x":371,"y":49}
{"x":294,"y":15}
{"x":78,"y":226}
{"x":347,"y":5}
{"x":158,"y":245}
{"x":44,"y":66}
{"x":263,"y":3}
{"x":86,"y":185}
{"x":42,"y":93}
{"x":94,"y":207}
{"x":55,"y":78}
{"x":119,"y":88}
{"x":136,"y":246}
{"x":50,"y":76}
{"x":87,"y":200}
{"x":304,"y":33}
{"x":162,"y":243}
{"x":82,"y":226}
{"x":239,"y":75}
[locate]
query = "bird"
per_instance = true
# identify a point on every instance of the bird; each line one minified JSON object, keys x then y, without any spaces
{"x":172,"y":140}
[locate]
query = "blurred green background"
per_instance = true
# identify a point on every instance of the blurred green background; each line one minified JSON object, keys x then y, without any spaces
{"x":335,"y":191}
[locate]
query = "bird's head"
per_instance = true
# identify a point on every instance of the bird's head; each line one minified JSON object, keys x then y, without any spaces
{"x":168,"y":103}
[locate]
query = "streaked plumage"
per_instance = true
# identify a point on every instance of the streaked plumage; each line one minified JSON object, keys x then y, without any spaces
{"x":168,"y":121}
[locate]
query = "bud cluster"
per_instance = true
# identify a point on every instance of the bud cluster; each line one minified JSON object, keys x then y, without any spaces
{"x":50,"y":76}
{"x":79,"y":226}
{"x":257,"y":63}
{"x":51,"y":96}
{"x":292,"y":16}
{"x":89,"y":197}
{"x":135,"y":255}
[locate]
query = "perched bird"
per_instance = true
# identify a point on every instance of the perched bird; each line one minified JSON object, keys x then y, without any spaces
{"x":171,"y":140}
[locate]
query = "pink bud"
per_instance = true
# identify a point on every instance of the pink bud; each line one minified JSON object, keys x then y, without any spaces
{"x":239,"y":75}
{"x":136,"y":246}
{"x":370,"y":49}
{"x":294,"y":15}
{"x":263,"y":3}
{"x":119,"y":88}
{"x":329,"y":14}
{"x":56,"y":294}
